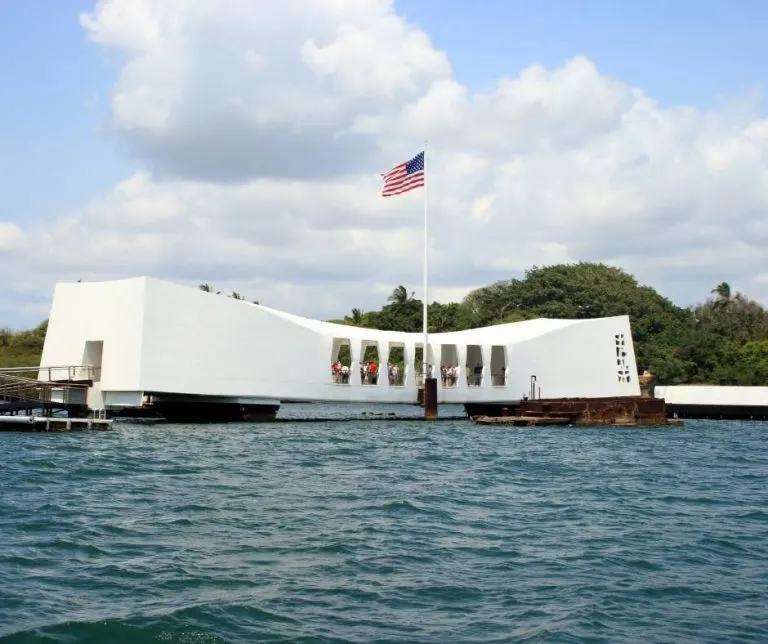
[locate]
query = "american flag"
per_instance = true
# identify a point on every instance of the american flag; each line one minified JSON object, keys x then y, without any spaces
{"x":404,"y":177}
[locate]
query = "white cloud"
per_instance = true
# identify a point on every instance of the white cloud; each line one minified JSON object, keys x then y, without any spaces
{"x":263,"y":133}
{"x":11,"y":236}
{"x":219,"y":91}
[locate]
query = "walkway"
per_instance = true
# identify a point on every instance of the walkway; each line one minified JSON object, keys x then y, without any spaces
{"x":24,"y":389}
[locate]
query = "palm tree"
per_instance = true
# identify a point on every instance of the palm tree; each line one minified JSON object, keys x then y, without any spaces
{"x":400,"y":296}
{"x":722,"y":291}
{"x":357,"y":316}
{"x":724,"y":297}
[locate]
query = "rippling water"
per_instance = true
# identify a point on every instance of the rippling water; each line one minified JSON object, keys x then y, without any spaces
{"x":386,"y":531}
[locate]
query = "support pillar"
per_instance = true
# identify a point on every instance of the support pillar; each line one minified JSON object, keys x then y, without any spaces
{"x":430,"y":399}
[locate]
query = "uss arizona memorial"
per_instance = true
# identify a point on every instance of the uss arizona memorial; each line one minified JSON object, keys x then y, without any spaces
{"x":194,"y":354}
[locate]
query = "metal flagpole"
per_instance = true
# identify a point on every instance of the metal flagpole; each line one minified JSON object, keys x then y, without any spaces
{"x":430,"y":383}
{"x":425,"y":354}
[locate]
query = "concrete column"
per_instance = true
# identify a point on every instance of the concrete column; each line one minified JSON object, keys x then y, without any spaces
{"x":487,"y":375}
{"x":410,"y":372}
{"x":461,"y":352}
{"x":383,"y":364}
{"x":355,"y":351}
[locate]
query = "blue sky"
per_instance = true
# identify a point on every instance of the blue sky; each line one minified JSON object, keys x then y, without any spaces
{"x":58,"y":153}
{"x":688,"y":52}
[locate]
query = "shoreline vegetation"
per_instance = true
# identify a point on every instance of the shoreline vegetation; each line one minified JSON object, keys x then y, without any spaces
{"x":723,"y":340}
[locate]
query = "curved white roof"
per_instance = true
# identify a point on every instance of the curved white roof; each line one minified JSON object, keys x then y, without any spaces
{"x":509,"y":333}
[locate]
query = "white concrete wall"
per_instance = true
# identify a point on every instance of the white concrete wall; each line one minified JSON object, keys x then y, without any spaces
{"x":712,"y":395}
{"x":108,"y":311}
{"x":576,"y":361}
{"x":207,"y":344}
{"x":166,"y":338}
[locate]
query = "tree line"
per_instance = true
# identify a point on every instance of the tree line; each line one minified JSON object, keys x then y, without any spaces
{"x":722,"y":340}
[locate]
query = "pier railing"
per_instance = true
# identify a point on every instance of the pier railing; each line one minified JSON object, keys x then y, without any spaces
{"x":68,"y":373}
{"x":15,"y":388}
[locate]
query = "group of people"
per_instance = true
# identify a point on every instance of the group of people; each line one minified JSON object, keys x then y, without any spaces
{"x":449,"y":374}
{"x":369,"y":373}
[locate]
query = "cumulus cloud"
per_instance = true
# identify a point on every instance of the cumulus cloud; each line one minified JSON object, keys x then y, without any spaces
{"x":11,"y":236}
{"x":263,"y":134}
{"x":218,"y":91}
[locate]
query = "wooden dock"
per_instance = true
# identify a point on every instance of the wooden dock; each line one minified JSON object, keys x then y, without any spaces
{"x":52,"y":424}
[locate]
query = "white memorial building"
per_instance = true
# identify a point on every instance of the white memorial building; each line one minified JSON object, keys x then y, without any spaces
{"x":188,"y":352}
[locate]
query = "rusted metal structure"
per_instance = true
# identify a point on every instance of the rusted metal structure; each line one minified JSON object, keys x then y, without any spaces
{"x":616,"y":411}
{"x":599,"y":411}
{"x":429,"y":394}
{"x":647,"y":381}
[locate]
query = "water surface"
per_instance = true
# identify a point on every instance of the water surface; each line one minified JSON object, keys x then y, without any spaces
{"x":385,"y":531}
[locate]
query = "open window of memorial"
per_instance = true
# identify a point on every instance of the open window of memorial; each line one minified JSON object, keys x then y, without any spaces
{"x":474,"y":365}
{"x":396,"y":367}
{"x":369,"y":365}
{"x":418,"y":363}
{"x":92,"y":356}
{"x":449,"y":369}
{"x":498,"y":366}
{"x":341,"y":361}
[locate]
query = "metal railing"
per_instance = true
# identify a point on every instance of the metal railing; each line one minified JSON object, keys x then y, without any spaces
{"x":69,"y":373}
{"x":16,"y":388}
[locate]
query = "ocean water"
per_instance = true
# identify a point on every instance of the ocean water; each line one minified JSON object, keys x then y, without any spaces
{"x":385,"y":531}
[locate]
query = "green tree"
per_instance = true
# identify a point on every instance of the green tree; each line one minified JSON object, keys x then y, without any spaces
{"x":722,"y":293}
{"x":752,"y":368}
{"x":400,"y":296}
{"x":358,"y":317}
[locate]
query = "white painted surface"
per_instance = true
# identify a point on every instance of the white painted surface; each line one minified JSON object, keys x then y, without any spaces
{"x":108,"y":311}
{"x":116,"y":399}
{"x":69,"y":396}
{"x":165,"y":338}
{"x":712,"y":395}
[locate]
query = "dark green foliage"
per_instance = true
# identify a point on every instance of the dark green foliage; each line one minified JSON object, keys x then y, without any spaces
{"x":752,"y":364}
{"x":723,"y":340}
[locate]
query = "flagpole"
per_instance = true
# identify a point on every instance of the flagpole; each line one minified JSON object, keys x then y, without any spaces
{"x":425,"y":354}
